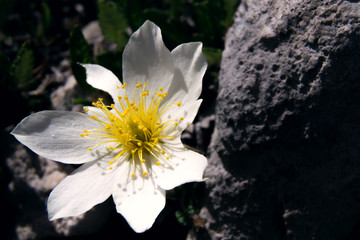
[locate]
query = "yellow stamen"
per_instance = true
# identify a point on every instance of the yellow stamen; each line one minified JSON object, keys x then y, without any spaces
{"x":135,"y":126}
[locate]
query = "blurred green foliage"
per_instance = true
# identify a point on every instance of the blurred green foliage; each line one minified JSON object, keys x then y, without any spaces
{"x":22,"y":67}
{"x":79,"y":53}
{"x":113,"y":23}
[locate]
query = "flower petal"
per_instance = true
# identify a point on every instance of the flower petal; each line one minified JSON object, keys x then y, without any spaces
{"x":190,"y":66}
{"x":56,"y":135}
{"x":146,"y":59}
{"x":80,"y":191}
{"x":186,"y":166}
{"x":103,"y":79}
{"x":139,"y":200}
{"x":186,"y":112}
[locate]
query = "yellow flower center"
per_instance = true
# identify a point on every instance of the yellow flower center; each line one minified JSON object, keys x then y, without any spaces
{"x":134,"y":128}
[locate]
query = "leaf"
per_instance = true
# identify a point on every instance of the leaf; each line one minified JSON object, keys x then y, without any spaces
{"x":113,"y":23}
{"x":133,"y":10}
{"x":230,"y":8}
{"x":81,"y":101}
{"x":111,"y":61}
{"x":213,"y":55}
{"x":190,"y":209}
{"x":79,"y":53}
{"x":181,"y":218}
{"x":206,"y":22}
{"x":46,"y":16}
{"x":21,"y":68}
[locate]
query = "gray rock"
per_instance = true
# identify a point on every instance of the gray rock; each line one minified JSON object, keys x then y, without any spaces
{"x":284,"y":157}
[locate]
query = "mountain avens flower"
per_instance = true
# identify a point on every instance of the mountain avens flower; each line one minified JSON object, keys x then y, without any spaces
{"x":130,"y":148}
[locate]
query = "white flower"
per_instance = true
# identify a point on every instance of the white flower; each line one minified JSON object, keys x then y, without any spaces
{"x":130,"y":149}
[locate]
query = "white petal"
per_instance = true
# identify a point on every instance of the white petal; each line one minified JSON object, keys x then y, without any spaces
{"x":56,"y":135}
{"x":186,"y":111}
{"x":146,"y":59}
{"x":103,"y":79}
{"x":186,"y":166}
{"x":77,"y":193}
{"x":93,"y":110}
{"x":139,"y":200}
{"x":190,"y":66}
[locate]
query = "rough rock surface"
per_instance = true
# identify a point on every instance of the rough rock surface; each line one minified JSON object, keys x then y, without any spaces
{"x":285,"y":154}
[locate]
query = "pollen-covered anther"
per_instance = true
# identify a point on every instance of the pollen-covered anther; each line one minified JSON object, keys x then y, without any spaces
{"x":136,"y":126}
{"x":113,"y":118}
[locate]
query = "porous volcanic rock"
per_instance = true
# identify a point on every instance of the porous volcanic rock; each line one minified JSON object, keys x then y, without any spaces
{"x":285,"y":155}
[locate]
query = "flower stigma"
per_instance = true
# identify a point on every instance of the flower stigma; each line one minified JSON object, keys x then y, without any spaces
{"x":134,"y":129}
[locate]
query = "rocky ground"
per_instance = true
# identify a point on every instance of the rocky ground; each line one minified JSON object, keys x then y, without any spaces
{"x":284,"y":159}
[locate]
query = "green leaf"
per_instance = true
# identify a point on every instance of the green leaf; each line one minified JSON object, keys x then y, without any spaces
{"x":113,"y":23}
{"x":133,"y":10}
{"x":46,"y":15}
{"x":82,"y":101}
{"x":230,"y":8}
{"x":79,"y":53}
{"x":21,"y":68}
{"x":213,"y":55}
{"x":205,"y":20}
{"x":111,"y":61}
{"x":181,"y":218}
{"x":190,"y":209}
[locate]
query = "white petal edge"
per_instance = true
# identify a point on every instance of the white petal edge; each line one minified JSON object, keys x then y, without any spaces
{"x":138,"y":200}
{"x":187,"y":111}
{"x":86,"y":187}
{"x":103,"y":79}
{"x":56,"y":135}
{"x":186,"y":166}
{"x":190,"y":66}
{"x":146,"y":59}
